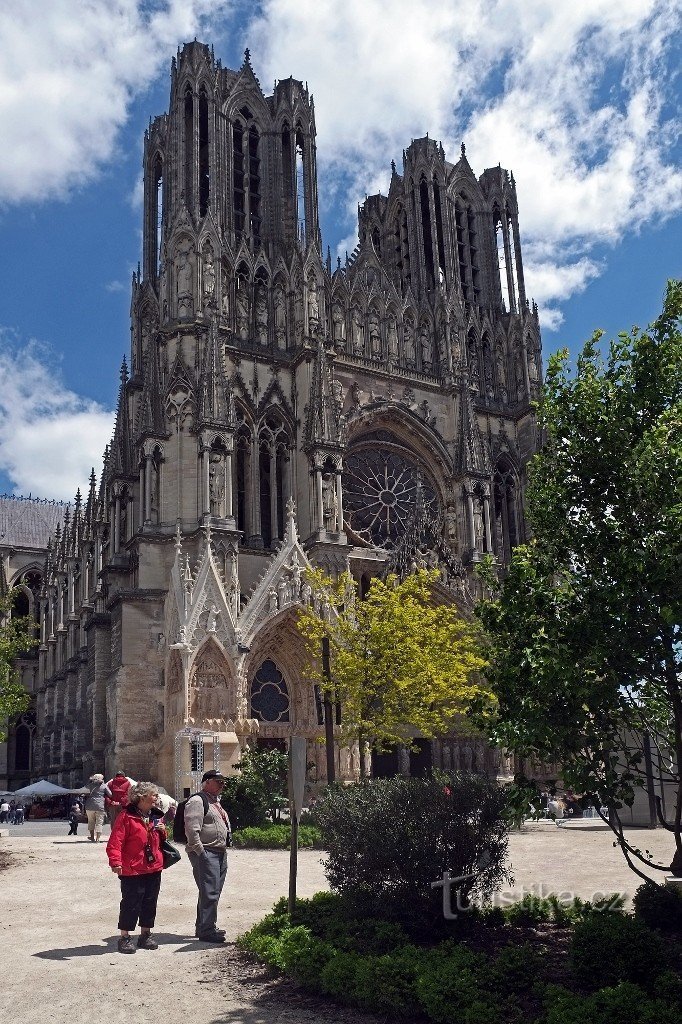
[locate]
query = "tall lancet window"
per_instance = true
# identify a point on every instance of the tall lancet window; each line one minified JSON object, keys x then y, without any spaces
{"x":512,"y":261}
{"x":157,"y":213}
{"x":238,"y":196}
{"x":300,"y":184}
{"x":204,"y":164}
{"x":254,"y":185}
{"x":242,"y":473}
{"x":273,"y":454}
{"x":501,"y":257}
{"x":439,"y":230}
{"x":427,"y":233}
{"x":189,"y":147}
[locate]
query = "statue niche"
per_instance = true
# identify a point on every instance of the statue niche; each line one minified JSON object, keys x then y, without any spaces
{"x":208,"y":689}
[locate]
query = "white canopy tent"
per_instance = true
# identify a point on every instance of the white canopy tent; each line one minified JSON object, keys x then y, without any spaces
{"x":42,"y":788}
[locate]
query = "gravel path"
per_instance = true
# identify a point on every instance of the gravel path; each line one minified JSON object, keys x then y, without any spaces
{"x":58,"y":929}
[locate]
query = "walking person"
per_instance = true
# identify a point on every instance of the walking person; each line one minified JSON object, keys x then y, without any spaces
{"x":119,"y":786}
{"x":208,"y":832}
{"x":74,"y":818}
{"x":4,"y":812}
{"x":134,"y":851}
{"x":94,"y":807}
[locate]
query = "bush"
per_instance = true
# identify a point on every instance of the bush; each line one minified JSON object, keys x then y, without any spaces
{"x":389,"y":839}
{"x":528,"y":912}
{"x":625,"y":1004}
{"x":275,"y":837}
{"x":659,"y":906}
{"x":610,"y":948}
{"x":451,"y":989}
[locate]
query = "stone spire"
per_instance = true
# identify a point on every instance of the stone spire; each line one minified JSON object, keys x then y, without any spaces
{"x":122,"y":445}
{"x":470,"y":457}
{"x":216,"y":401}
{"x":150,"y":416}
{"x":323,"y":420}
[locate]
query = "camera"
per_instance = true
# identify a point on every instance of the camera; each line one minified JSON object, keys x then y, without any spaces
{"x":148,"y":853}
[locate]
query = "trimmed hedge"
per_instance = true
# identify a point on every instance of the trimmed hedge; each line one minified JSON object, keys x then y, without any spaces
{"x":276,"y":837}
{"x":372,"y":965}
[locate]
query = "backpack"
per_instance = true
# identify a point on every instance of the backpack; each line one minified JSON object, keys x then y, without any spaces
{"x":179,"y":834}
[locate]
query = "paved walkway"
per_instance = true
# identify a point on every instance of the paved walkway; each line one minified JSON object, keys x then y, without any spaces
{"x":59,"y":911}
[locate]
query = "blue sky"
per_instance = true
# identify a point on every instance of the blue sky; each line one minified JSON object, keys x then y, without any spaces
{"x":581,"y":101}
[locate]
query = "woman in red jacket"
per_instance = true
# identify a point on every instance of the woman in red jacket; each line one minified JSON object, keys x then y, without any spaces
{"x":134,"y":851}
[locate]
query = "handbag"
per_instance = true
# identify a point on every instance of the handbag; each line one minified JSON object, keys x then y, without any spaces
{"x":171,"y":854}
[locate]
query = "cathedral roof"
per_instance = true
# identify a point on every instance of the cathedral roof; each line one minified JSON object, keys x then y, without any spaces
{"x":29,"y":522}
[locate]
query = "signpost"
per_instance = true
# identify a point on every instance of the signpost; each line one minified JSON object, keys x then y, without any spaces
{"x":328,"y":714}
{"x":297,"y":766}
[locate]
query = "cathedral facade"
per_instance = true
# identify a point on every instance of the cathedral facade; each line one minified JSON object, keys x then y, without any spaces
{"x":280,"y":411}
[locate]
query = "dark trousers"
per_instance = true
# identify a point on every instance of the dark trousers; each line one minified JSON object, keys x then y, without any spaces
{"x":73,"y":827}
{"x":139,"y":895}
{"x":210,"y":869}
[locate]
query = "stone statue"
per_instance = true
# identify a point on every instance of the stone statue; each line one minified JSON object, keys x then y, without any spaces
{"x":272,"y":599}
{"x":313,"y":305}
{"x":242,"y":303}
{"x":216,"y":485}
{"x":408,"y":339}
{"x":426,"y":348}
{"x":358,"y":329}
{"x":520,"y":383}
{"x":499,"y":364}
{"x":298,"y":313}
{"x":392,"y":334}
{"x":467,"y":756}
{"x":472,"y":360}
{"x":338,"y":324}
{"x":532,"y":366}
{"x":451,"y":526}
{"x":209,"y":277}
{"x":296,"y":578}
{"x":280,"y":304}
{"x":329,"y":506}
{"x":261,"y":315}
{"x":478,"y":523}
{"x":283,"y":593}
{"x":374,"y":336}
{"x":306,"y":593}
{"x":184,"y":268}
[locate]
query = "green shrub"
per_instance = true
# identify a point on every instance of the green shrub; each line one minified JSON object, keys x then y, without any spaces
{"x":275,"y":837}
{"x":659,"y":906}
{"x":515,"y":968}
{"x":388,"y":839}
{"x":304,"y":956}
{"x":492,"y":917}
{"x":528,"y":912}
{"x":610,"y":948}
{"x":385,"y":984}
{"x":623,"y":1004}
{"x":450,"y":989}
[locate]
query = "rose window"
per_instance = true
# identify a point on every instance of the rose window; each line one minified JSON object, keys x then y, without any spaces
{"x":381,"y":490}
{"x":269,"y":694}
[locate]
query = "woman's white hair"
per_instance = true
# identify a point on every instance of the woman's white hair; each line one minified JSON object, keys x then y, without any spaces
{"x":142,"y":789}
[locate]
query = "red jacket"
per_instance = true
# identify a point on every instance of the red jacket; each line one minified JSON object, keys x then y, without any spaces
{"x":127,"y":841}
{"x":119,"y":787}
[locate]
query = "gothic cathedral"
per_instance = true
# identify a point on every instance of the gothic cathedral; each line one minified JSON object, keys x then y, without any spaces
{"x":281,"y":409}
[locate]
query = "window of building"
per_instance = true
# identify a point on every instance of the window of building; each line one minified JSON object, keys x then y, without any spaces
{"x":269,"y":694}
{"x":204,"y":161}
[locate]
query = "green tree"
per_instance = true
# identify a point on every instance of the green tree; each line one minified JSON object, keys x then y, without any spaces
{"x":583,"y":635}
{"x":259,"y":791}
{"x":17,"y":635}
{"x":400,"y":662}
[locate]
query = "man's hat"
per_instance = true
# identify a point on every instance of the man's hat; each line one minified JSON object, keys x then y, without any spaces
{"x":213,"y":774}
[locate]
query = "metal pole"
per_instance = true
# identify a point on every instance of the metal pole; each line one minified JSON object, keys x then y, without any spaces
{"x":293,"y":863}
{"x":328,"y":716}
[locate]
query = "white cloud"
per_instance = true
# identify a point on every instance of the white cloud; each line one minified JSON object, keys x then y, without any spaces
{"x":68,"y":72}
{"x":114,"y":286}
{"x":50,"y":437}
{"x":571,"y":97}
